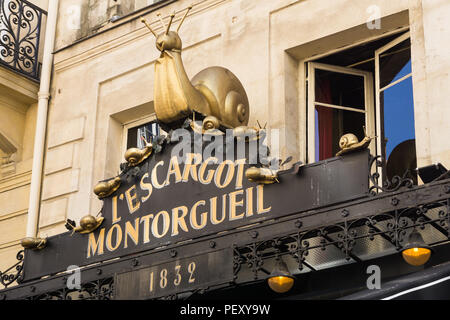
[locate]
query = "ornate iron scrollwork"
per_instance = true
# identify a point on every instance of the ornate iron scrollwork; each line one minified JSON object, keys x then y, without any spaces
{"x":20,"y":28}
{"x":13,"y":273}
{"x":388,"y":186}
{"x":102,"y":289}
{"x":392,"y":226}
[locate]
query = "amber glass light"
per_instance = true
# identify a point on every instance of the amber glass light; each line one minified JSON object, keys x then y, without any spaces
{"x":416,"y":252}
{"x":280,"y":279}
{"x":416,"y":256}
{"x":280,"y":284}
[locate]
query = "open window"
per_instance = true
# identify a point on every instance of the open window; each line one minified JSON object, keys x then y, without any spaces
{"x":367,"y":85}
{"x":395,"y":108}
{"x":340,"y":101}
{"x":137,"y":133}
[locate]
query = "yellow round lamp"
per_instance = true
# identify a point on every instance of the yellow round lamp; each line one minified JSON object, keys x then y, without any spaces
{"x":416,"y":252}
{"x":280,"y":279}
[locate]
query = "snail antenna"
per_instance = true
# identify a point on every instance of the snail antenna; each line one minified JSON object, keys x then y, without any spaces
{"x":184,"y":17}
{"x":161,"y":20}
{"x":148,"y":26}
{"x":170,"y":22}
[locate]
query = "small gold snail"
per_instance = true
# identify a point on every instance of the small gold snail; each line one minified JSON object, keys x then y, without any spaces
{"x":135,"y":156}
{"x":88,"y":224}
{"x":210,"y":123}
{"x":349,"y":142}
{"x":261,"y":175}
{"x":248,"y":133}
{"x":106,"y":188}
{"x":214,"y":91}
{"x":33,"y":243}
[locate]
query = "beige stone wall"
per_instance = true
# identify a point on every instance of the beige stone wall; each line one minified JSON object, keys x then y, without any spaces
{"x":102,"y":82}
{"x":83,"y":18}
{"x":105,"y":81}
{"x":18,"y":106}
{"x":18,"y":97}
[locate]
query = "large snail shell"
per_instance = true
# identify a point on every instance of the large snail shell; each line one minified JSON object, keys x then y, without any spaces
{"x":225,"y":94}
{"x":348,"y":140}
{"x":88,"y":222}
{"x":133,"y":155}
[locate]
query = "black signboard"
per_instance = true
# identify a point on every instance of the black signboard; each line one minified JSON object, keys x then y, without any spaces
{"x":176,"y":276}
{"x":165,"y":201}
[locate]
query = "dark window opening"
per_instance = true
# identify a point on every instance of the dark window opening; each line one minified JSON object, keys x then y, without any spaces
{"x":138,"y":136}
{"x":339,"y":97}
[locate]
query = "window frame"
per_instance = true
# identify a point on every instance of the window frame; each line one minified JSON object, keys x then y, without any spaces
{"x":378,"y":90}
{"x":311,"y":103}
{"x":133,"y":124}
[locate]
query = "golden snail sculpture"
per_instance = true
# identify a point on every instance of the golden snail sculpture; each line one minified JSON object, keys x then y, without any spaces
{"x":214,"y":91}
{"x":349,"y":143}
{"x":261,"y":175}
{"x":106,"y":188}
{"x":33,"y":243}
{"x":135,"y":156}
{"x":88,"y":224}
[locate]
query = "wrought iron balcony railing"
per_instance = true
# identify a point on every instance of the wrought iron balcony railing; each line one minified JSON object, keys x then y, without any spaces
{"x":20,"y":29}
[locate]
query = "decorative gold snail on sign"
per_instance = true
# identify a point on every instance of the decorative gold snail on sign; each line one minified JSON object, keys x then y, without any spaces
{"x":106,"y":188}
{"x":349,"y":143}
{"x":88,"y":224}
{"x":135,"y":156}
{"x":262,"y":175}
{"x":215,"y":91}
{"x":33,"y":243}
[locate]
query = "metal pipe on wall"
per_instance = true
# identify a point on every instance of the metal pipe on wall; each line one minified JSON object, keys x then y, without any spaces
{"x":41,"y":122}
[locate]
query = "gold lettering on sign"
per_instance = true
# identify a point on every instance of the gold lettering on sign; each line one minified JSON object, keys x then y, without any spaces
{"x":131,"y":199}
{"x":240,"y":173}
{"x":260,"y":197}
{"x":193,"y":159}
{"x":249,"y":202}
{"x":146,"y":187}
{"x":94,"y":245}
{"x":238,"y":204}
{"x":118,"y":230}
{"x":115,"y":219}
{"x":174,"y":168}
{"x":132,"y":232}
{"x":178,"y":220}
{"x":146,"y":220}
{"x":201,"y":172}
{"x":228,"y":177}
{"x":234,"y":203}
{"x":203,"y":215}
{"x":155,"y":182}
{"x":213,"y":209}
{"x":166,"y":224}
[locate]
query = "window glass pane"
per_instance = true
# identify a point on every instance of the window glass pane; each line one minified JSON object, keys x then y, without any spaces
{"x":340,"y":89}
{"x":398,"y":108}
{"x":137,"y":136}
{"x":395,"y":63}
{"x":331,"y":125}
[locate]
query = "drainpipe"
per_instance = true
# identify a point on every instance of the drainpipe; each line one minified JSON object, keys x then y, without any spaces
{"x":41,"y":124}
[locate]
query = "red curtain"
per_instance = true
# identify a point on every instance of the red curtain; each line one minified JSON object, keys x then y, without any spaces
{"x":325,"y":120}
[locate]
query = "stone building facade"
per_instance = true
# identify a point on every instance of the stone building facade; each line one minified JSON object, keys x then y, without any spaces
{"x":283,"y":52}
